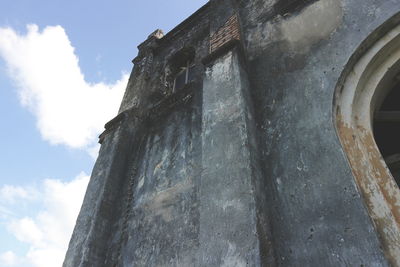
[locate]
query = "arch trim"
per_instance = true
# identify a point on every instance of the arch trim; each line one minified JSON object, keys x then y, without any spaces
{"x":361,"y":89}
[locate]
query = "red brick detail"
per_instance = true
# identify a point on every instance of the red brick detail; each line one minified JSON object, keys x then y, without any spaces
{"x":228,"y":32}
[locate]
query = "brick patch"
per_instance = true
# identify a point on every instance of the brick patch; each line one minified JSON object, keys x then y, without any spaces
{"x":228,"y":32}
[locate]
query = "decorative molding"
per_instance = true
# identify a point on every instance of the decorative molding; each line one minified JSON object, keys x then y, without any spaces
{"x":149,"y":115}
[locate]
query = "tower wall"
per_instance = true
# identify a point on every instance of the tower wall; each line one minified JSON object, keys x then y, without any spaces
{"x":242,"y":165}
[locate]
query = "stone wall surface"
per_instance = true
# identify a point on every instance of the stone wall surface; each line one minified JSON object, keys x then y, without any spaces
{"x":163,"y":224}
{"x":243,"y":166}
{"x":318,"y":217}
{"x":227,"y":188}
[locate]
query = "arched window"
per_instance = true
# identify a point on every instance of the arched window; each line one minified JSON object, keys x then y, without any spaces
{"x":362,"y":108}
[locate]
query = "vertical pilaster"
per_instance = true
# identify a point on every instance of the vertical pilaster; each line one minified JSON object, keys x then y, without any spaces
{"x":228,"y":209}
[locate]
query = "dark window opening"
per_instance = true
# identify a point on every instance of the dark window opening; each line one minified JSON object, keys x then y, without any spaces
{"x":184,"y":76}
{"x":387,"y":131}
{"x":180,"y":69}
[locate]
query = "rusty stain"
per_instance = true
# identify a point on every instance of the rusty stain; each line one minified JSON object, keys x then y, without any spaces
{"x":374,"y":181}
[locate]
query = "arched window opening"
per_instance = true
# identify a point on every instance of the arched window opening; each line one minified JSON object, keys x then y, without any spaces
{"x":366,"y":109}
{"x":387,"y":131}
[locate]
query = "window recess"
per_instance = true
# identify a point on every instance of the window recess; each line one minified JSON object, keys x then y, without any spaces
{"x":387,"y":131}
{"x":184,"y":76}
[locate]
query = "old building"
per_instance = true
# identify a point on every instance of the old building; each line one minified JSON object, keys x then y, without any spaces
{"x":255,"y":133}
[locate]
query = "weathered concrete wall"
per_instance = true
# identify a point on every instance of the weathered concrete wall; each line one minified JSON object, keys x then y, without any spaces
{"x":230,"y":173}
{"x":318,"y":217}
{"x":163,"y":223}
{"x":141,"y":206}
{"x":249,"y":170}
{"x":365,"y":81}
{"x":89,"y":242}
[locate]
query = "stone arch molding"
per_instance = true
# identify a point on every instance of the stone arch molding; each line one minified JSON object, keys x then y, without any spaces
{"x":361,"y":90}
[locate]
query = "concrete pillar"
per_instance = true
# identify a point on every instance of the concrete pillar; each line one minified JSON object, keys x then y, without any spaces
{"x":228,"y":209}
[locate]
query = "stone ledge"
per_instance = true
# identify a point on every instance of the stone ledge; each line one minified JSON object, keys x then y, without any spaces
{"x":181,"y":96}
{"x":159,"y":109}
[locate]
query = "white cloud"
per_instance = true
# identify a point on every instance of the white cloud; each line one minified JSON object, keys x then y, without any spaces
{"x":8,"y":258}
{"x":5,"y":213}
{"x":13,"y":199}
{"x":8,"y":193}
{"x":69,"y":110}
{"x":48,"y":232}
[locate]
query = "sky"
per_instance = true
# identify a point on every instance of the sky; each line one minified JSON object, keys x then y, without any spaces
{"x":64,"y":66}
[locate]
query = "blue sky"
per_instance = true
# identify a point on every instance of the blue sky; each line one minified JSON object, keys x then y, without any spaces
{"x":63,"y":70}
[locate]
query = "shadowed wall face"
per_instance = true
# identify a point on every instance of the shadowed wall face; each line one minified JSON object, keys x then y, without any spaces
{"x":163,"y":214}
